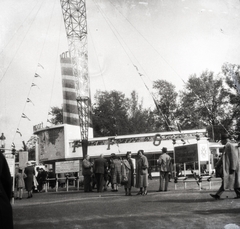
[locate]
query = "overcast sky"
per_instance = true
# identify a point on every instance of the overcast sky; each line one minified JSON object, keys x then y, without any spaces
{"x":165,"y":39}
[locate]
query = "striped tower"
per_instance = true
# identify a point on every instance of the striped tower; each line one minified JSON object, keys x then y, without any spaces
{"x":70,"y":110}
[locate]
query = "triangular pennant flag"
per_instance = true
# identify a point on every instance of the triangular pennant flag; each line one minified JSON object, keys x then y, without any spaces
{"x":29,"y":101}
{"x":25,"y":116}
{"x":13,"y":145}
{"x":18,"y":131}
{"x":37,"y":75}
{"x":33,"y":85}
{"x":39,"y":65}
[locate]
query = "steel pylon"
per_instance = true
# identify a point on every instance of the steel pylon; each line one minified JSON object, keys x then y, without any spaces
{"x":75,"y":21}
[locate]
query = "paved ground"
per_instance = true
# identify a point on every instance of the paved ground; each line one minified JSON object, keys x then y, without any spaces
{"x":190,"y":208}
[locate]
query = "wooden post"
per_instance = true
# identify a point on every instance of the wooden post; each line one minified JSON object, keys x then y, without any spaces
{"x":57,"y":182}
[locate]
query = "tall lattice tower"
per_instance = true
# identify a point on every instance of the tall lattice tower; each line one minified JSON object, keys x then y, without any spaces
{"x":75,"y":20}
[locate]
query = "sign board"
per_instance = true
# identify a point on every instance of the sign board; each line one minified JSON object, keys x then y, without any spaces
{"x":203,"y":151}
{"x":11,"y":163}
{"x":186,"y":153}
{"x":51,"y":144}
{"x":67,"y":166}
{"x":23,"y":159}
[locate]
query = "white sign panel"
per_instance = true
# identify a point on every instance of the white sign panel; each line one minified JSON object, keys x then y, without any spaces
{"x":23,"y":159}
{"x":203,"y":151}
{"x":67,"y":166}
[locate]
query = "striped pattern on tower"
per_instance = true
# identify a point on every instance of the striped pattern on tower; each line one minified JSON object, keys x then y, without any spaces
{"x":70,"y":110}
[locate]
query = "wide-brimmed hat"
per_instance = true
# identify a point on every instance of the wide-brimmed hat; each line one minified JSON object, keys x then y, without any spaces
{"x":164,"y":149}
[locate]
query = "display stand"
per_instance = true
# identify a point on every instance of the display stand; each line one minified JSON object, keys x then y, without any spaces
{"x":193,"y":153}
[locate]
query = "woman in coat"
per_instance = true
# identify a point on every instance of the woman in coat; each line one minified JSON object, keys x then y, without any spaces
{"x":6,"y":218}
{"x":30,"y":172}
{"x":141,"y":173}
{"x":115,"y":166}
{"x":20,"y":185}
{"x":127,"y":171}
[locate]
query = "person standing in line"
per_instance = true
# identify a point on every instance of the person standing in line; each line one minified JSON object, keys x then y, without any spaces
{"x":39,"y":179}
{"x":141,"y":173}
{"x":115,"y":171}
{"x":230,"y":168}
{"x":99,"y":167}
{"x":20,"y":185}
{"x":87,"y":173}
{"x":165,"y":164}
{"x":30,"y":172}
{"x":127,"y":171}
{"x":6,"y":216}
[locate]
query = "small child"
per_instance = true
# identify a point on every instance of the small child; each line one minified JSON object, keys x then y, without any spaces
{"x":20,"y":176}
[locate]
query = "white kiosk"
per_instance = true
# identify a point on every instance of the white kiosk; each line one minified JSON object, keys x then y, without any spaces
{"x":197,"y":153}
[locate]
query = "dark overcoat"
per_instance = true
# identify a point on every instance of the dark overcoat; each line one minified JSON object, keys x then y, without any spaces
{"x":100,"y":165}
{"x":86,"y":168}
{"x":6,"y":219}
{"x":142,"y":172}
{"x":30,"y":172}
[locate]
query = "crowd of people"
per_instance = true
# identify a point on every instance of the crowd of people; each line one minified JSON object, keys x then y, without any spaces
{"x":113,"y":171}
{"x":116,"y":171}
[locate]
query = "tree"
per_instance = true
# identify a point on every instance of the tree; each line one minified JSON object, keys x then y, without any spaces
{"x":166,"y":101}
{"x":204,"y":101}
{"x":57,"y":115}
{"x":140,"y":119}
{"x":232,"y":74}
{"x":110,"y":114}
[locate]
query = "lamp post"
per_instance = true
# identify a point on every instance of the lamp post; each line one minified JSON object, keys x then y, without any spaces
{"x":2,"y":138}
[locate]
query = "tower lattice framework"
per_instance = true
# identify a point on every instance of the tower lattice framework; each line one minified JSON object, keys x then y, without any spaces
{"x":75,"y":21}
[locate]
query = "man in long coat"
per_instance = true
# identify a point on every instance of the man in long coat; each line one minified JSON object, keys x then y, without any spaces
{"x":165,"y":164}
{"x":6,"y":218}
{"x":99,"y":167}
{"x":231,"y":174}
{"x":87,"y":172}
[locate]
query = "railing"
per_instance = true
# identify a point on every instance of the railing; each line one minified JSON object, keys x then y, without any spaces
{"x":76,"y":180}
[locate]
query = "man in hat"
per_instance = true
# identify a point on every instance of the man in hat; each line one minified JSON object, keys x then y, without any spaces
{"x":231,"y":171}
{"x":87,"y":173}
{"x":99,"y":168}
{"x":165,"y":164}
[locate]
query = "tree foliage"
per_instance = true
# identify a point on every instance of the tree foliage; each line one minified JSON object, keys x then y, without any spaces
{"x":110,"y":114}
{"x":166,"y":99}
{"x":140,"y":120}
{"x":57,"y":115}
{"x":232,"y":76}
{"x":204,"y":101}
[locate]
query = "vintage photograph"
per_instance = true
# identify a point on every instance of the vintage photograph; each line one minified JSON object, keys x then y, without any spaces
{"x":119,"y":114}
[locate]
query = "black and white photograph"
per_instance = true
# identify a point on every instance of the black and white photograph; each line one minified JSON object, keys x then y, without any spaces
{"x":119,"y":114}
